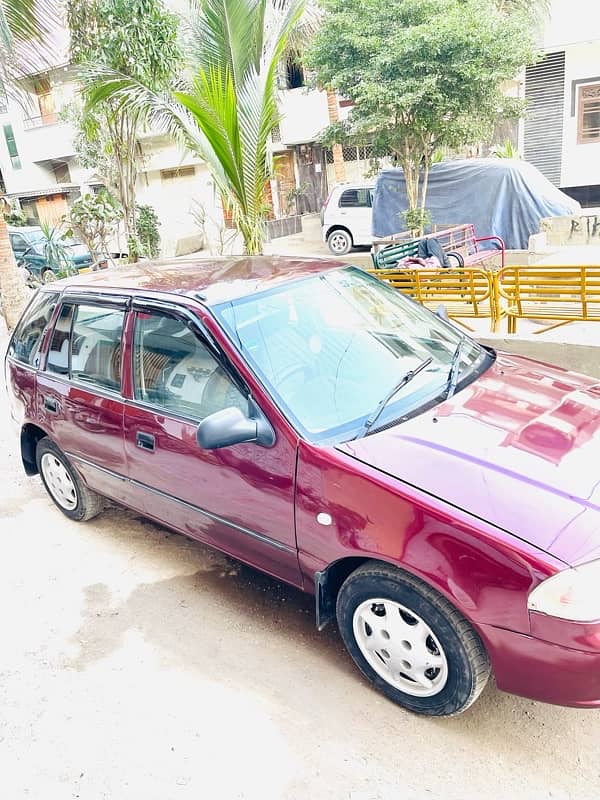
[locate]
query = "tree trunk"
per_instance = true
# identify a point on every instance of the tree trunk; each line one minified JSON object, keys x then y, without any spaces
{"x":424,"y":183}
{"x":14,"y":294}
{"x":337,"y":149}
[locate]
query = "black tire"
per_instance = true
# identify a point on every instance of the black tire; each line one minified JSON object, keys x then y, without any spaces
{"x":87,"y":503}
{"x":467,"y":666}
{"x":339,"y":242}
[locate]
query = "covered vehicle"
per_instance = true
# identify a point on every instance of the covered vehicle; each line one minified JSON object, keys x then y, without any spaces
{"x":499,"y":196}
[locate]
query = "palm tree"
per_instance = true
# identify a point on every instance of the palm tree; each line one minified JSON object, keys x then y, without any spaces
{"x":224,"y":108}
{"x":20,"y":21}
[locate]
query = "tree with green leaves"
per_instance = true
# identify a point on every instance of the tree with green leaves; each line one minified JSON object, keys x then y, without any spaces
{"x":21,"y":21}
{"x":223,"y":105}
{"x":94,"y":218}
{"x":422,"y":74}
{"x":138,"y":40}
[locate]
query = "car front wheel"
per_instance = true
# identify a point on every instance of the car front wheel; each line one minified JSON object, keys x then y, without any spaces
{"x":63,"y":484}
{"x":339,"y":242}
{"x":410,"y":642}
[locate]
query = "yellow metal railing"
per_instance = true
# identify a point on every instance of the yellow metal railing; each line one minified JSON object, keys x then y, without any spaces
{"x":559,"y":294}
{"x":465,"y":292}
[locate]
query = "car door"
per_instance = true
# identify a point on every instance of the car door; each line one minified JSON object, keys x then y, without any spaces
{"x":354,"y":208}
{"x":79,"y":402}
{"x":239,"y":498}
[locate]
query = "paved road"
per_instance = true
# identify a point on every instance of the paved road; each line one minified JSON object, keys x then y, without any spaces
{"x":138,"y":665}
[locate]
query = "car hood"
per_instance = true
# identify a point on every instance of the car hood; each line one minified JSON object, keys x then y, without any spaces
{"x":519,"y":447}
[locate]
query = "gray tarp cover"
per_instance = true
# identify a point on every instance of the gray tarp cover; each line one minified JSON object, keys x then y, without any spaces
{"x":501,"y":197}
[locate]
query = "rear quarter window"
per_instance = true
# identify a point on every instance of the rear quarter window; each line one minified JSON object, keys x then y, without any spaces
{"x":27,"y":338}
{"x":355,"y":198}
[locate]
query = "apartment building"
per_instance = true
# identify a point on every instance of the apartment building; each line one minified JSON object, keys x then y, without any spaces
{"x":41,"y":175}
{"x":561,"y":131}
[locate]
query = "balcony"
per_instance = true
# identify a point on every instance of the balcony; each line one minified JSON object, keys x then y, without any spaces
{"x":46,"y":139}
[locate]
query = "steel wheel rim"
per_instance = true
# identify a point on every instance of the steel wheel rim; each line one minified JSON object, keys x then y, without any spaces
{"x":400,"y":647}
{"x":59,"y":482}
{"x":338,"y":243}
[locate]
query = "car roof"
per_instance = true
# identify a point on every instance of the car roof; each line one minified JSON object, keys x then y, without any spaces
{"x":23,"y":228}
{"x":357,"y":185}
{"x":211,"y":281}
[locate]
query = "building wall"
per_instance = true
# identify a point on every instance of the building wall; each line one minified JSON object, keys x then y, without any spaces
{"x":38,"y":142}
{"x":573,"y":27}
{"x":178,"y":199}
{"x":580,"y":162}
{"x":304,"y":115}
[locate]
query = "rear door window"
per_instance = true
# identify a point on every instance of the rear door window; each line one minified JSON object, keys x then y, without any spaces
{"x":17,"y":242}
{"x":86,"y":345}
{"x":27,"y":338}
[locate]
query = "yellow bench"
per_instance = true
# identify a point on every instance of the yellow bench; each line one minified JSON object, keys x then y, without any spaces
{"x":465,"y":292}
{"x":561,"y":294}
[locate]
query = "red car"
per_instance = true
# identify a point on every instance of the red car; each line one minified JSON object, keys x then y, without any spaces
{"x":440,"y":500}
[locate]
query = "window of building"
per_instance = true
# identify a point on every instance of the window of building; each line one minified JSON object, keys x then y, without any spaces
{"x":588,"y":126}
{"x":86,"y":345}
{"x":61,"y":172}
{"x":174,"y":370}
{"x":29,"y":208}
{"x":46,"y":101}
{"x":11,"y":145}
{"x":177,"y":174}
{"x":294,"y":73}
{"x":25,"y":344}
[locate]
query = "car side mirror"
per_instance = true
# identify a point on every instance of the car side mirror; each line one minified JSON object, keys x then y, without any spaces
{"x":231,"y":426}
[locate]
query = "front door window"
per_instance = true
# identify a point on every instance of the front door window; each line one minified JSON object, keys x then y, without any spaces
{"x":175,"y":371}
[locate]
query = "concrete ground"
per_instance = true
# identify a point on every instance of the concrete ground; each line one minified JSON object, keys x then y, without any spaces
{"x":139,"y":665}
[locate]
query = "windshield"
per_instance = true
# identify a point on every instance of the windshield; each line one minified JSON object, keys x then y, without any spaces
{"x":331,"y":347}
{"x":37,"y":241}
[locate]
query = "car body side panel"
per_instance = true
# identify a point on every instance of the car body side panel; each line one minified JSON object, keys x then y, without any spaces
{"x":20,"y":384}
{"x":88,"y":427}
{"x":483,"y":571}
{"x":238,"y":499}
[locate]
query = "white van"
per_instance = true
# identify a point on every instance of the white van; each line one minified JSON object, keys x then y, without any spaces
{"x":346,"y":217}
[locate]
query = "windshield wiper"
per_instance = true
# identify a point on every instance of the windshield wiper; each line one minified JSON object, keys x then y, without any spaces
{"x":406,"y":378}
{"x":454,"y":368}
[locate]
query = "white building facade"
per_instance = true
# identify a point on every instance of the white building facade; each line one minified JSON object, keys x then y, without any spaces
{"x":561,"y":131}
{"x":41,"y":175}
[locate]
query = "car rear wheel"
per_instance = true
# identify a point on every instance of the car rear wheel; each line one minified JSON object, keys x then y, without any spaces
{"x":339,"y":242}
{"x":64,"y":486}
{"x":410,"y":642}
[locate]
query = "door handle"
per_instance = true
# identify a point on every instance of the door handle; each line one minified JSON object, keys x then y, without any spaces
{"x":144,"y":440}
{"x":51,"y":404}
